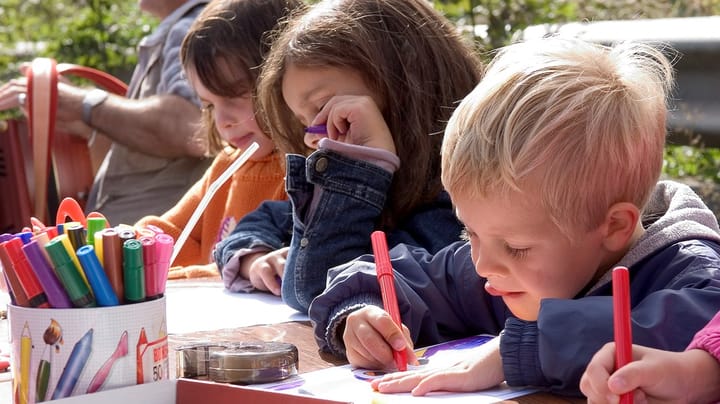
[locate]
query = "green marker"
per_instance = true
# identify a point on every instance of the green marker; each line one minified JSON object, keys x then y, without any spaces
{"x":69,"y":274}
{"x":133,"y":271}
{"x":94,"y":225}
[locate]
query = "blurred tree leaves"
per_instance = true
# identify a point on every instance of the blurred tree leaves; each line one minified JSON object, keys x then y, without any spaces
{"x":99,"y":33}
{"x":497,"y":21}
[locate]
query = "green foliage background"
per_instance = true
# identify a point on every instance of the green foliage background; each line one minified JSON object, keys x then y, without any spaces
{"x":98,"y":33}
{"x":104,"y":34}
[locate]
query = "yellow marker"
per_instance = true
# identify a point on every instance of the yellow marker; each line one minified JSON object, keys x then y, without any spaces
{"x":98,"y":244}
{"x":25,"y":352}
{"x":71,"y":252}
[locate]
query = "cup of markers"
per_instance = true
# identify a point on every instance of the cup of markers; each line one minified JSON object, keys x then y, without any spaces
{"x":87,"y":308}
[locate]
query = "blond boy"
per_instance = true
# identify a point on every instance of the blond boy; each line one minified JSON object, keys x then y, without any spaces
{"x":552,"y":163}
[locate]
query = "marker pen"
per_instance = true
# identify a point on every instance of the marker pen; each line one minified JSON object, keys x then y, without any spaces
{"x":69,"y":274}
{"x":145,"y":232}
{"x":149,"y":264}
{"x":41,"y":239}
{"x":51,"y":232}
{"x":317,"y":129}
{"x":24,"y":236}
{"x":74,"y":366}
{"x":17,"y":293}
{"x":56,"y":295}
{"x":103,"y":291}
{"x":25,"y":274}
{"x":164,"y":247}
{"x":65,"y":241}
{"x":126,"y":234}
{"x":133,"y":272}
{"x":76,"y":234}
{"x":98,"y":244}
{"x":94,"y":225}
{"x":113,"y":261}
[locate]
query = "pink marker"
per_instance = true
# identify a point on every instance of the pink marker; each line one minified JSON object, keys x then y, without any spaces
{"x":150,"y":265}
{"x":163,"y":250}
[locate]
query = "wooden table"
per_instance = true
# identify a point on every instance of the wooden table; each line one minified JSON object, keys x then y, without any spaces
{"x":300,"y":334}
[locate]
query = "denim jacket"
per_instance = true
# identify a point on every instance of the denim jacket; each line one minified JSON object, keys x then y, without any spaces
{"x":674,"y":290}
{"x":336,"y":202}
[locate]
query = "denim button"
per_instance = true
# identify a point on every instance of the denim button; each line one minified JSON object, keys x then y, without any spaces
{"x":321,"y":164}
{"x":304,"y":242}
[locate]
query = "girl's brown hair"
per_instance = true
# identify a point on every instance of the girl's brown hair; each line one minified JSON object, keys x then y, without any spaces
{"x":234,"y":34}
{"x":408,"y":54}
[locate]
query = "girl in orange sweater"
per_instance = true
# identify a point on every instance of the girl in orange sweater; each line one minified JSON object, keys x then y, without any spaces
{"x":221,"y":56}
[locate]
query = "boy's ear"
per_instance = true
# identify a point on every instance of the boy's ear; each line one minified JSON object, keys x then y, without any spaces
{"x":620,"y":225}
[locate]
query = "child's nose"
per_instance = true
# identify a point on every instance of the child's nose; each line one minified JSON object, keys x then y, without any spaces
{"x":486,"y":266}
{"x":312,"y":139}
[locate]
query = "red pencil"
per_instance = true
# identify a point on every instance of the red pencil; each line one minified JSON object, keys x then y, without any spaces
{"x":387,"y":288}
{"x":621,"y":322}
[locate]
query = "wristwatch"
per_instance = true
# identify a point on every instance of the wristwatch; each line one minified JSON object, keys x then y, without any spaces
{"x":92,"y":99}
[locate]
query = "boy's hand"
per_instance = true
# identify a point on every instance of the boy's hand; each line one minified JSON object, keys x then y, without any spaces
{"x":370,"y":336}
{"x":264,"y":270}
{"x":478,"y":373}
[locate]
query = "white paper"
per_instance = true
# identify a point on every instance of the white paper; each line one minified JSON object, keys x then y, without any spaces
{"x":203,"y":306}
{"x":343,"y":383}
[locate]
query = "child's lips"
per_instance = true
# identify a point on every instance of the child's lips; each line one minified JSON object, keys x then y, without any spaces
{"x":240,"y":140}
{"x":497,"y":292}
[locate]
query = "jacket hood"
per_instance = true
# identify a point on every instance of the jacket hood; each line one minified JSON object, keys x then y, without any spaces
{"x":673,"y":213}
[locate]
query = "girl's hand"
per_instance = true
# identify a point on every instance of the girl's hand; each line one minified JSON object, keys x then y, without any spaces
{"x":656,"y":376}
{"x":370,"y":336}
{"x":356,"y":119}
{"x":264,"y":270}
{"x":479,"y":373}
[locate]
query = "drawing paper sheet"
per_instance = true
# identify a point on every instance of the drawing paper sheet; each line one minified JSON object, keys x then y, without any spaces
{"x":203,"y":305}
{"x":344,"y":382}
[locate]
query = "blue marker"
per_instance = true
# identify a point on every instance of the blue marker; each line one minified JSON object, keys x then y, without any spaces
{"x":103,"y":291}
{"x":74,"y":366}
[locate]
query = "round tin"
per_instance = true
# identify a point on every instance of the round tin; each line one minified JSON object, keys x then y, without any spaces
{"x":193,"y":360}
{"x":254,"y":362}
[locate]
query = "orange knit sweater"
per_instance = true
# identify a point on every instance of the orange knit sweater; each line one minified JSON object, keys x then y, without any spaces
{"x":251,"y":184}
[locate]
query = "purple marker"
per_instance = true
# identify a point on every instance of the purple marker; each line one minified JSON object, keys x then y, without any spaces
{"x":55,"y":292}
{"x":316,"y":129}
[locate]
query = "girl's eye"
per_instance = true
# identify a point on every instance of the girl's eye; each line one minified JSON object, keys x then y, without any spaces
{"x":517,"y":253}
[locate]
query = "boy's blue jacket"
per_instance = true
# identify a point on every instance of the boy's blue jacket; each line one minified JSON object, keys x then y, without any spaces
{"x":335,"y":202}
{"x":675,"y":291}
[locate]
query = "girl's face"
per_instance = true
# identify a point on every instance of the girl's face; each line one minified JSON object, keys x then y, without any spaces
{"x":524,"y":256}
{"x":234,"y":119}
{"x":307,"y":89}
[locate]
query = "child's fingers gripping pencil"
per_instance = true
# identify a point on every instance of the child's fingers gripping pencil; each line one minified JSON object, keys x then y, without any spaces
{"x":387,"y":288}
{"x":621,"y":323}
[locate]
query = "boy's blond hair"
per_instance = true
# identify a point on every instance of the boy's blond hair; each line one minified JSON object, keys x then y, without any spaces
{"x":580,"y":125}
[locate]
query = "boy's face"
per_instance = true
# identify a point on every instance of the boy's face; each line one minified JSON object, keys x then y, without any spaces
{"x":523,"y":255}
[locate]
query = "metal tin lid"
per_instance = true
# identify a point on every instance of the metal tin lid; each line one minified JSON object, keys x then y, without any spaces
{"x":192,"y":360}
{"x":254,"y":362}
